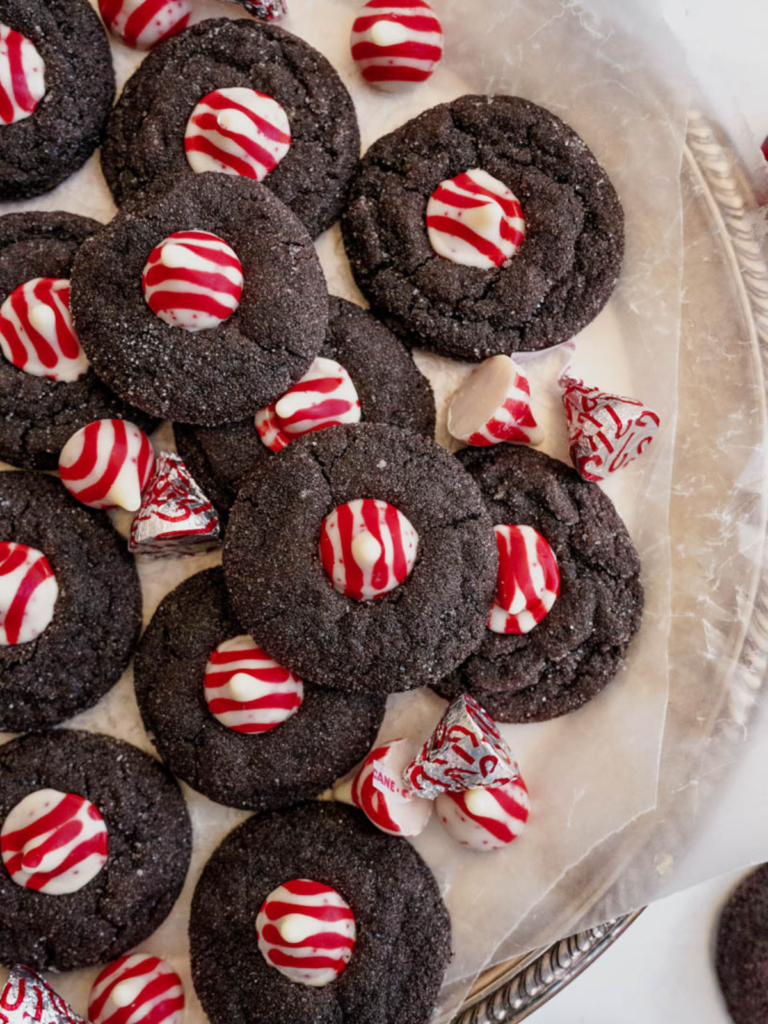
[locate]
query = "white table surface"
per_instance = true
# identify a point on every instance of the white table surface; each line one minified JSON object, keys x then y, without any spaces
{"x":661,"y":969}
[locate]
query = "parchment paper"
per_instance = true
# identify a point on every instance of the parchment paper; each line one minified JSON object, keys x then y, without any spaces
{"x":613,"y":73}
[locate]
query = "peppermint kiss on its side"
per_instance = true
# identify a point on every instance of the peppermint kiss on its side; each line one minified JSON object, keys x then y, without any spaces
{"x":107,"y":464}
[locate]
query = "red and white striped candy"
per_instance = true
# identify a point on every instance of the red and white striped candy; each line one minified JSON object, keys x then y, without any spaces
{"x":193,"y":279}
{"x":307,"y":931}
{"x":378,"y":791}
{"x":475,"y":220}
{"x":107,"y":464}
{"x":22,"y":76}
{"x":237,"y":131}
{"x":53,"y":842}
{"x":528,"y":581}
{"x":485,"y":818}
{"x":324,"y":397}
{"x":397,"y":43}
{"x":494,"y":405}
{"x":143,"y":24}
{"x":28,"y":593}
{"x":36,"y":332}
{"x":137,"y":989}
{"x":367,"y":547}
{"x":248,"y":691}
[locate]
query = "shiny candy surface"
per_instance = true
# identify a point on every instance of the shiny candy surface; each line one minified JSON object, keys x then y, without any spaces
{"x":483,"y":818}
{"x":22,"y":76}
{"x":528,"y":581}
{"x":36,"y":332}
{"x":175,"y":519}
{"x":28,"y":593}
{"x":494,"y":405}
{"x":137,"y":989}
{"x":107,"y":464}
{"x":397,"y":43}
{"x":378,"y":790}
{"x":142,"y":24}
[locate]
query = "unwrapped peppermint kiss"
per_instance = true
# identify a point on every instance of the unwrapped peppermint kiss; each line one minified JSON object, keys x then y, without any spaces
{"x":397,"y":43}
{"x":528,"y":581}
{"x":367,"y":547}
{"x":28,"y":593}
{"x":107,"y":464}
{"x":475,"y":220}
{"x":193,"y":279}
{"x":378,"y":790}
{"x":22,"y":76}
{"x":36,"y":332}
{"x":494,"y":405}
{"x":248,"y":691}
{"x":307,"y":931}
{"x":143,"y":24}
{"x":137,"y":989}
{"x":324,"y":397}
{"x":53,"y":842}
{"x":485,"y":818}
{"x":237,"y":131}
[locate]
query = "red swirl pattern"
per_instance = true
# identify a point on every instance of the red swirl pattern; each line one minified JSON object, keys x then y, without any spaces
{"x":175,"y":518}
{"x":22,"y":76}
{"x":528,"y":581}
{"x":378,"y":791}
{"x":137,"y":989}
{"x":28,"y":593}
{"x":36,"y":332}
{"x":307,"y":931}
{"x":144,"y":24}
{"x":493,"y":406}
{"x":397,"y":43}
{"x":485,"y":818}
{"x":107,"y":464}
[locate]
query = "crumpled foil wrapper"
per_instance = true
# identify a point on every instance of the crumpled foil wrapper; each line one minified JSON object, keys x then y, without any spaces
{"x":28,"y":996}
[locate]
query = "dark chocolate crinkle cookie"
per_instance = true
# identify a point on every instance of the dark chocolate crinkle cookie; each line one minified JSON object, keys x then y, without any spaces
{"x":326,"y":737}
{"x":41,"y":150}
{"x":97,"y":615}
{"x":149,"y":844}
{"x":411,"y":636}
{"x":39,"y":415}
{"x":403,"y":930}
{"x":312,"y":179}
{"x":580,"y":645}
{"x":390,"y":388}
{"x":567,"y":265}
{"x":222,"y":373}
{"x":741,"y":956}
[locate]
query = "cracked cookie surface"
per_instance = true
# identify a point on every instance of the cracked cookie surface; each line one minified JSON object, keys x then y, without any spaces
{"x":97,"y":617}
{"x":559,"y":280}
{"x":148,"y":852}
{"x":580,"y":645}
{"x":417,"y":632}
{"x":145,"y":137}
{"x":298,"y":759}
{"x":38,"y":415}
{"x":400,"y":917}
{"x":390,"y":388}
{"x":224,"y":373}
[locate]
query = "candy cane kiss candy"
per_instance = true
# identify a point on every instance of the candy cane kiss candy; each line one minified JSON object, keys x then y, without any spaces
{"x":107,"y":464}
{"x":142,"y":24}
{"x":137,"y":989}
{"x":528,"y":582}
{"x":36,"y":332}
{"x":379,"y":792}
{"x":485,"y":818}
{"x":397,"y":43}
{"x":22,"y":76}
{"x":494,"y":405}
{"x":28,"y":593}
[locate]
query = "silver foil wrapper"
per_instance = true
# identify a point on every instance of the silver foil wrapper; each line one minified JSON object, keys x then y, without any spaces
{"x":465,"y":750}
{"x":26,"y":996}
{"x":265,"y":10}
{"x":175,"y":518}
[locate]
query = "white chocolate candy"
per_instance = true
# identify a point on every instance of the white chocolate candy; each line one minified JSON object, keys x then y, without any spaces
{"x":142,"y":24}
{"x":53,"y":842}
{"x":146,"y":984}
{"x":494,"y":405}
{"x":107,"y":464}
{"x":22,"y":76}
{"x":397,"y":44}
{"x":485,"y":818}
{"x":378,"y":790}
{"x":28,"y":593}
{"x":237,"y":131}
{"x":36,"y":332}
{"x":528,"y":582}
{"x":475,"y":220}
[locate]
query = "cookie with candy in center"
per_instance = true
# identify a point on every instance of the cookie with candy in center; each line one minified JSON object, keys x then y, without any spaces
{"x":569,"y":598}
{"x":741,"y":953}
{"x":228,"y":719}
{"x":385,"y":380}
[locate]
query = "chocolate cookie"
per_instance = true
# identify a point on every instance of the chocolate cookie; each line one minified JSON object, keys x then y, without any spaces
{"x":322,"y":740}
{"x":221,"y":373}
{"x":390,"y":388}
{"x":149,"y":844}
{"x":39,"y":415}
{"x":567,"y":265}
{"x":69,"y":104}
{"x":403,"y":929}
{"x":157,"y":102}
{"x":580,"y":645}
{"x":741,"y":956}
{"x":97,"y":613}
{"x":408,"y":637}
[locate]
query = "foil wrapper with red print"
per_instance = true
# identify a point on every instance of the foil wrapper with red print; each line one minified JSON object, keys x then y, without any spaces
{"x":606,"y":431}
{"x":175,"y":518}
{"x":264,"y":10}
{"x":27,"y":996}
{"x":465,"y":751}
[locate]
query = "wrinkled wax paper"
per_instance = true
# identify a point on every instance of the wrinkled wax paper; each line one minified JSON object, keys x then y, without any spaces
{"x":614,"y":75}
